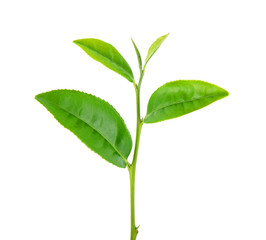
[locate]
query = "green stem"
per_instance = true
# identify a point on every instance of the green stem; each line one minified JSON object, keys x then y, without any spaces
{"x":141,"y":77}
{"x":132,"y":167}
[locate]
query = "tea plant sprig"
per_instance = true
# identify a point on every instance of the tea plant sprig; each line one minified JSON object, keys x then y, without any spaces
{"x":99,"y":126}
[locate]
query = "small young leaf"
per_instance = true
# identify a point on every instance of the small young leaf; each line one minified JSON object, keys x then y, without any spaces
{"x":138,"y":55}
{"x":154,"y":47}
{"x":178,"y":98}
{"x":95,"y":122}
{"x":106,"y":54}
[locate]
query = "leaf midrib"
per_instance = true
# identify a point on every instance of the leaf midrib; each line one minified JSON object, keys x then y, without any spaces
{"x":218,"y":95}
{"x":125,"y":160}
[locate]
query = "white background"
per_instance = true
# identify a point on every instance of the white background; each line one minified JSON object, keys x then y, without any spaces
{"x":201,"y":176}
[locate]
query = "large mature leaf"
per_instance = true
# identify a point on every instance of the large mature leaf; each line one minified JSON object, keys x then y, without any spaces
{"x":154,"y":47}
{"x":94,"y":121}
{"x":106,"y":54}
{"x":138,"y":55}
{"x":178,"y":98}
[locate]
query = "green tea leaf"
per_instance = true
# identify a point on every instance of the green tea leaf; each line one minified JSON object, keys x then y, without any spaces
{"x":154,"y":47}
{"x":106,"y":54}
{"x":95,"y":122}
{"x":138,"y":55}
{"x":178,"y":98}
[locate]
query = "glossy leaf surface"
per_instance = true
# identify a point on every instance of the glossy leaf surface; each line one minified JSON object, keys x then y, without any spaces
{"x":95,"y":122}
{"x":178,"y":98}
{"x":154,"y":47}
{"x":106,"y":54}
{"x":138,"y":55}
